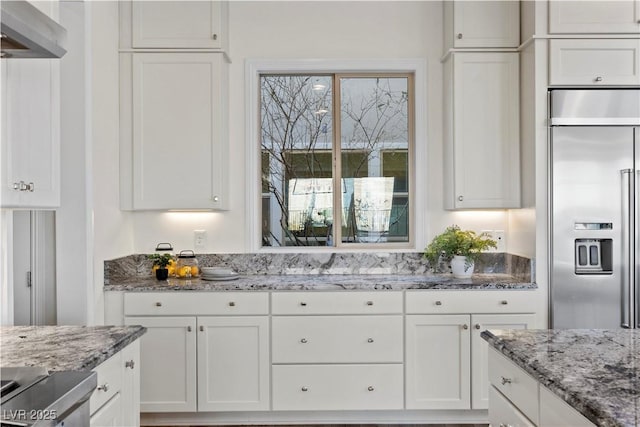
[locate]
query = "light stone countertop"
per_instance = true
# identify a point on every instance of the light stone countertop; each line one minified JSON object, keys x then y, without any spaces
{"x":323,"y":282}
{"x":63,"y":348}
{"x":595,"y":371}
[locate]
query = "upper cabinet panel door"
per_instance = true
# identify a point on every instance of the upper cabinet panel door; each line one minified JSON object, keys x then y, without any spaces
{"x":30,"y":133}
{"x":592,"y":17}
{"x":486,"y":24}
{"x":177,"y":24}
{"x":177,"y":127}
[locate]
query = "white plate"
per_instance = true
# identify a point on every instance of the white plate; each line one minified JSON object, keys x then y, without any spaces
{"x":219,"y":278}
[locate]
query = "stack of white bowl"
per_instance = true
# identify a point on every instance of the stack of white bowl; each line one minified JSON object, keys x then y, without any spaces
{"x":218,"y":273}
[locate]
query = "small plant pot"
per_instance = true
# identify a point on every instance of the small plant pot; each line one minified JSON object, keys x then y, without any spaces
{"x":461,"y":268}
{"x":162,"y":273}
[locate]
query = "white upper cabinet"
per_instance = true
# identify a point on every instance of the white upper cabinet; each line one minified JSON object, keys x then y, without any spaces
{"x":174,"y":25}
{"x":482,"y":24}
{"x":482,"y":136}
{"x":174,"y":152}
{"x":589,"y":62}
{"x":30,"y":133}
{"x":593,"y":17}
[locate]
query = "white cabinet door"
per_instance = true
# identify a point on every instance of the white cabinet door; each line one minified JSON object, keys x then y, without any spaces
{"x":483,"y":137}
{"x":177,"y":24}
{"x":174,"y":153}
{"x":503,"y":413}
{"x":589,"y":62}
{"x":592,"y":17}
{"x":485,"y":23}
{"x":233,"y":363}
{"x":480,"y":354}
{"x":167,"y":363}
{"x":437,"y":362}
{"x":110,"y":415}
{"x":30,"y":133}
{"x":131,"y":384}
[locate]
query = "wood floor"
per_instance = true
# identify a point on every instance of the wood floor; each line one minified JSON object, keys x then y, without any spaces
{"x":362,"y":425}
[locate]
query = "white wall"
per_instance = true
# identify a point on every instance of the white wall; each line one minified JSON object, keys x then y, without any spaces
{"x":319,"y":30}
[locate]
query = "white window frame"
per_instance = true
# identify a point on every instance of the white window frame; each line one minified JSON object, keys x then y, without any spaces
{"x":255,"y":67}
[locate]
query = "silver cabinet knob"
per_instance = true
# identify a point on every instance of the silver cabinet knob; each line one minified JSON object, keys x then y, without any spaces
{"x":304,"y":389}
{"x":215,"y":37}
{"x":216,"y":198}
{"x":16,"y":186}
{"x":459,"y":36}
{"x":188,"y":328}
{"x":158,"y":304}
{"x":303,"y":341}
{"x":370,"y":340}
{"x":477,"y":326}
{"x":104,"y":387}
{"x":30,"y":187}
{"x":232,"y":304}
{"x":504,"y":380}
{"x":465,"y":326}
{"x":370,"y":388}
{"x":438,"y":302}
{"x":201,"y":328}
{"x":504,"y":302}
{"x":598,"y":79}
{"x":460,"y":198}
{"x":129,"y":364}
{"x":303,"y":304}
{"x":369,"y":302}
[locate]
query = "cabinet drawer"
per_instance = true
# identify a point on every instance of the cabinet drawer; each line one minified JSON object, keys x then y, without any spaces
{"x":195,"y":303}
{"x":503,"y":413}
{"x":337,"y":387}
{"x":433,"y":302}
{"x":109,"y":382}
{"x":381,"y":302}
{"x":514,"y":383}
{"x":594,"y":62}
{"x":337,"y":339}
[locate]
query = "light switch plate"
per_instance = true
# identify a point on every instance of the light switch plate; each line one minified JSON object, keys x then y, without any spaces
{"x":199,"y":239}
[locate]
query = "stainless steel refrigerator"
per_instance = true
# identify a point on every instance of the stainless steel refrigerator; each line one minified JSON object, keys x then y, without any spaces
{"x":594,"y":207}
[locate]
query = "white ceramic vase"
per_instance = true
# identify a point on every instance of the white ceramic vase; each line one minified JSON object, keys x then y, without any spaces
{"x":460,"y":268}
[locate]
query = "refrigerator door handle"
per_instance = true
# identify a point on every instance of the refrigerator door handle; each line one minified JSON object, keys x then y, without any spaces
{"x":627,"y":251}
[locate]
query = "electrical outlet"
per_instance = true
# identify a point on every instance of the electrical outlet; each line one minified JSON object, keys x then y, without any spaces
{"x":199,"y":239}
{"x":499,"y":236}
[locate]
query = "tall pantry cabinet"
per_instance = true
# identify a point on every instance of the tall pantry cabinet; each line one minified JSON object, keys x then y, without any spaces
{"x":173,"y":105}
{"x":481,"y":105}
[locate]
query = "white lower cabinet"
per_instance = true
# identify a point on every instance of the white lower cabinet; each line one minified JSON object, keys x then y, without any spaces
{"x":517,"y":399}
{"x":202,"y":363}
{"x":115,"y":401}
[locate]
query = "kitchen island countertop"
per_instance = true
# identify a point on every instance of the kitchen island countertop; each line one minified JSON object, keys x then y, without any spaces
{"x":323,"y":282}
{"x":63,"y":348}
{"x":595,"y":371}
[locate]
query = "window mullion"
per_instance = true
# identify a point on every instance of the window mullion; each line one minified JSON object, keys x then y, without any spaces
{"x":337,"y":164}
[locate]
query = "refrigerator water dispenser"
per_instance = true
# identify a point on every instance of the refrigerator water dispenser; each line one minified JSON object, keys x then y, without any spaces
{"x":593,"y":256}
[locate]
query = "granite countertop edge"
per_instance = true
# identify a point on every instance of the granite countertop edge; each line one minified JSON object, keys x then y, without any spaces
{"x":323,"y":282}
{"x":589,"y":408}
{"x":64,"y":348}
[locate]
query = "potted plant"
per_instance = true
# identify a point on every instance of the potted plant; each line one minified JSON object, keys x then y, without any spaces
{"x":161,"y":261}
{"x":459,"y":247}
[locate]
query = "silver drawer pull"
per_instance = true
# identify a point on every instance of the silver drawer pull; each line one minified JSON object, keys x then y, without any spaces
{"x":104,"y":387}
{"x":129,"y":364}
{"x":598,"y":79}
{"x":504,"y":380}
{"x":477,"y":326}
{"x":459,"y":36}
{"x":370,"y":388}
{"x":303,"y":341}
{"x":369,"y":302}
{"x":158,"y":304}
{"x":504,"y":302}
{"x":438,"y":302}
{"x":188,"y":328}
{"x":232,"y":304}
{"x":304,"y":389}
{"x":370,"y":340}
{"x":201,"y":328}
{"x":302,"y":303}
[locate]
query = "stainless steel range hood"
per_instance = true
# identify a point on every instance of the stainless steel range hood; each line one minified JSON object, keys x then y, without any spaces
{"x":29,"y":33}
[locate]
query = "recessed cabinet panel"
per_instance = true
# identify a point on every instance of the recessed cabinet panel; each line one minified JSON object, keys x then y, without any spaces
{"x":484,"y":137}
{"x":179,"y":158}
{"x":30,"y":133}
{"x":177,"y":24}
{"x":592,"y":17}
{"x":589,"y":62}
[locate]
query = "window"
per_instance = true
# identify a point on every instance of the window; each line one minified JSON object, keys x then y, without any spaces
{"x":336,"y":143}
